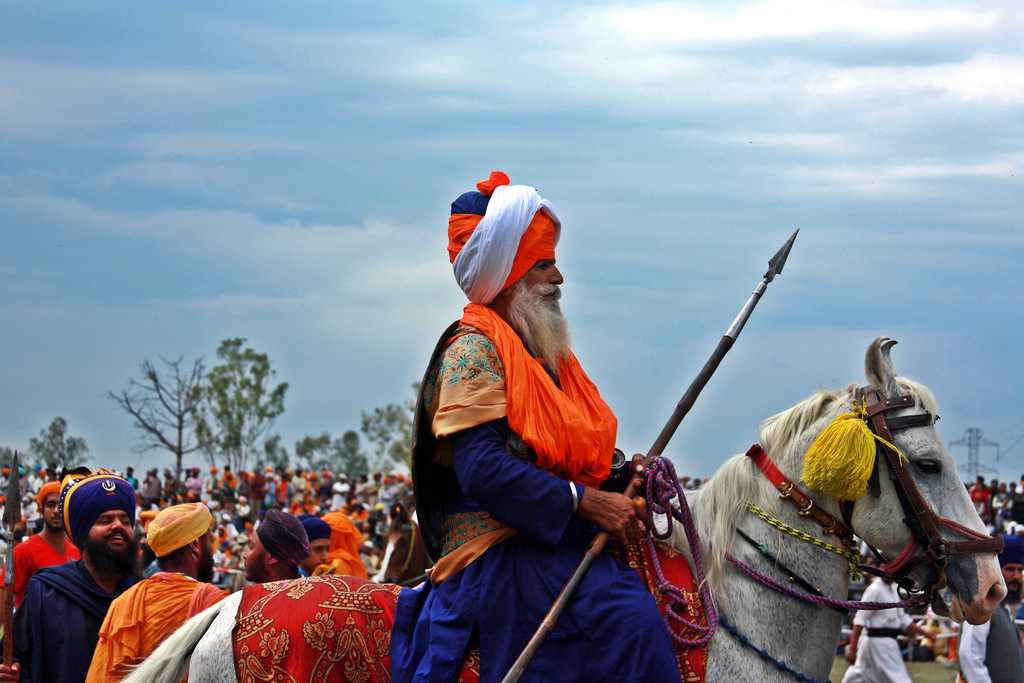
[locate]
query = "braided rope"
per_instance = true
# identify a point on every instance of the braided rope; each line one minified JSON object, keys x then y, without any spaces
{"x":822,"y":600}
{"x":662,"y":487}
{"x":851,"y":557}
{"x":779,"y":664}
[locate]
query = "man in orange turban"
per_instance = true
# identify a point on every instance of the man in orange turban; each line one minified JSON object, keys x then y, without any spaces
{"x":144,"y":615}
{"x":512,"y":443}
{"x":345,"y":544}
{"x":47,"y":548}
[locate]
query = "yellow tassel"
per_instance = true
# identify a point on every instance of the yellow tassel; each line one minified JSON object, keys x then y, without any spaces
{"x":840,"y":460}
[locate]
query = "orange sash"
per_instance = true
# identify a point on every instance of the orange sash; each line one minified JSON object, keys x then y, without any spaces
{"x":572,"y":429}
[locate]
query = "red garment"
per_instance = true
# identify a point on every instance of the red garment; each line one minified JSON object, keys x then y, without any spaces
{"x":320,"y":628}
{"x":980,"y":496}
{"x":692,"y":662}
{"x":34,"y":554}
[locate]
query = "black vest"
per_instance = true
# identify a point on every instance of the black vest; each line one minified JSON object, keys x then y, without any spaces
{"x":432,"y":483}
{"x":1003,"y":656}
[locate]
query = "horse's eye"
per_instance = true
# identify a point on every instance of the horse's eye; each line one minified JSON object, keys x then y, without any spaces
{"x":929,"y":466}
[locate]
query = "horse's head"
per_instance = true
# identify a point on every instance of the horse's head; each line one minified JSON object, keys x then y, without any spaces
{"x":884,"y":516}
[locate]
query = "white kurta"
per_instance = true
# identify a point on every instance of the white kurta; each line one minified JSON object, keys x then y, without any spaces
{"x":878,"y":659}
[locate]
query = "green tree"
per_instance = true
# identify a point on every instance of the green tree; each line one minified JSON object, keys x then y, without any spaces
{"x":238,"y":405}
{"x":56,"y":448}
{"x":275,"y":453}
{"x":6,"y":455}
{"x":314,"y":451}
{"x":347,"y":456}
{"x":389,"y":429}
{"x":163,"y":405}
{"x":341,"y":455}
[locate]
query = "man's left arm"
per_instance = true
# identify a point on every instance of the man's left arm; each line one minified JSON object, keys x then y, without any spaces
{"x":533,"y":502}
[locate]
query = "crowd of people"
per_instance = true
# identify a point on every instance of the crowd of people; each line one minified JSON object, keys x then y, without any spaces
{"x":1000,"y":504}
{"x":157,"y":550}
{"x":259,"y":525}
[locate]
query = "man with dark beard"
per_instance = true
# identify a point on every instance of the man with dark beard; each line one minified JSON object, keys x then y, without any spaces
{"x":141,"y":618}
{"x":279,"y":547}
{"x":56,"y":627}
{"x":512,"y":444}
{"x":992,"y":652}
{"x":48,"y":548}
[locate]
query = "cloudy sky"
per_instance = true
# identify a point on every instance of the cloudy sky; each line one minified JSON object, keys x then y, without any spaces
{"x":174,"y":175}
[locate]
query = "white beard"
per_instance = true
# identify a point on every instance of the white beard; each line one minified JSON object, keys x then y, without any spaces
{"x":537,"y":316}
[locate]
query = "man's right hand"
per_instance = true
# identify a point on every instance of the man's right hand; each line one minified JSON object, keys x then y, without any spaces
{"x":10,"y":673}
{"x":612,"y":512}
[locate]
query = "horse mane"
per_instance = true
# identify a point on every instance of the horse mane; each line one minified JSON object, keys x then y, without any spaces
{"x":722,"y":501}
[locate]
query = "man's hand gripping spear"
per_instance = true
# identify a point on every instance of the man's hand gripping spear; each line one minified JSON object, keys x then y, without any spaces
{"x":775,"y":266}
{"x":12,"y":515}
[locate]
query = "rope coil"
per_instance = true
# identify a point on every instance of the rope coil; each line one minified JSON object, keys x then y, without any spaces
{"x":662,"y":488}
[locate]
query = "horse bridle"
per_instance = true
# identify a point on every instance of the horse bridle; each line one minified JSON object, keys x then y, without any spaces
{"x":926,"y":544}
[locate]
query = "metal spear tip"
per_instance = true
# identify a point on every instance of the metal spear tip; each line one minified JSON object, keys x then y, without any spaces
{"x":12,"y":508}
{"x":779,"y":260}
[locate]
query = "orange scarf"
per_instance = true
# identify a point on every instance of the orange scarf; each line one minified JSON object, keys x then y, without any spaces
{"x":572,"y":429}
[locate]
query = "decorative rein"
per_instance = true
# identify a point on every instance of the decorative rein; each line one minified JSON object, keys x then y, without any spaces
{"x":926,"y":545}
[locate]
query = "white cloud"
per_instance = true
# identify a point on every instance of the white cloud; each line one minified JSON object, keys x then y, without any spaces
{"x":988,"y":78}
{"x":901,"y":178}
{"x":671,"y":24}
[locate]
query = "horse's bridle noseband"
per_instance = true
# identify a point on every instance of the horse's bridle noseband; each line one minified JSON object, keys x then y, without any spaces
{"x":926,"y":545}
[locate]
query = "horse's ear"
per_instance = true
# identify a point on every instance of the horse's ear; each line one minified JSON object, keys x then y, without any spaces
{"x":878,"y":367}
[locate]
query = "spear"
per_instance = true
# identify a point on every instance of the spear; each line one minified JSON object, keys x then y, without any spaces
{"x":12,"y":515}
{"x":775,"y":265}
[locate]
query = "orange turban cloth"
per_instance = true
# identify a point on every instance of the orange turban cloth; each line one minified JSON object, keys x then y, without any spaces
{"x":177,"y":526}
{"x":45,"y":490}
{"x":147,"y":516}
{"x":497,"y":234}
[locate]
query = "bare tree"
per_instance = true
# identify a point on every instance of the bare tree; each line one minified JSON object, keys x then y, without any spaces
{"x":163,"y":407}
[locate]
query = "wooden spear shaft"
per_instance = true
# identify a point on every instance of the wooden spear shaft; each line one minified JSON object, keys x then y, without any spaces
{"x":682,"y":408}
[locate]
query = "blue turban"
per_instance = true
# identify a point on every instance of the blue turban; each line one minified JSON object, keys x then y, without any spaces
{"x":84,"y":497}
{"x":316,"y":528}
{"x":1013,"y":550}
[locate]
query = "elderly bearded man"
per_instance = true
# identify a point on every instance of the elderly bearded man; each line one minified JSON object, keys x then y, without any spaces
{"x":512,"y":444}
{"x":58,"y":623}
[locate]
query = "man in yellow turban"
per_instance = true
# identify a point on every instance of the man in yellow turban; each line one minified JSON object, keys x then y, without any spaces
{"x":143,"y":616}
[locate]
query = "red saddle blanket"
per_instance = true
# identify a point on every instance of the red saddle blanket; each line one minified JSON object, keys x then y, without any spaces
{"x":338,"y":628}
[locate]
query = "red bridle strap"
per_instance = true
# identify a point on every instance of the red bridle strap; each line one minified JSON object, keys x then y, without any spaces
{"x":805,"y":505}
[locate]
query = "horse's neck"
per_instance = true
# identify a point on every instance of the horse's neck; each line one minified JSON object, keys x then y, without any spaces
{"x":801,"y":634}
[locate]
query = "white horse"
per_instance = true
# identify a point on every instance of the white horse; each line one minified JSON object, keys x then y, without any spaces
{"x":799,"y":634}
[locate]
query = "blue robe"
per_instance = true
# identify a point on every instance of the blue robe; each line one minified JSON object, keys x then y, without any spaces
{"x":611,"y":630}
{"x":58,"y":623}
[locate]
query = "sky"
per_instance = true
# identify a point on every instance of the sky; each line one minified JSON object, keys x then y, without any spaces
{"x":172,"y":175}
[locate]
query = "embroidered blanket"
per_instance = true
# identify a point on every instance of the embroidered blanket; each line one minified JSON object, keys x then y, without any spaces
{"x":338,"y":628}
{"x":320,"y":629}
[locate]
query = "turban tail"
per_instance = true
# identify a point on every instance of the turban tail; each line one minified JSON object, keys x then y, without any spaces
{"x":177,"y":526}
{"x":284,"y":537}
{"x":345,"y":543}
{"x":569,"y":426}
{"x":316,"y":528}
{"x":497,"y":234}
{"x":84,"y":497}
